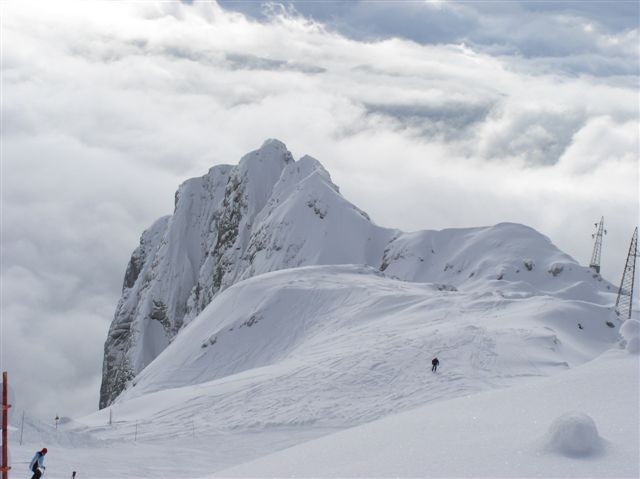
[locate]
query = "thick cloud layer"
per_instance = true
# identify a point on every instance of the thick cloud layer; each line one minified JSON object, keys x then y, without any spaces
{"x":597,"y":37}
{"x":530,"y":116}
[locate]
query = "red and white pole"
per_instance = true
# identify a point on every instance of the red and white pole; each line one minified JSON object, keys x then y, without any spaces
{"x":5,"y":427}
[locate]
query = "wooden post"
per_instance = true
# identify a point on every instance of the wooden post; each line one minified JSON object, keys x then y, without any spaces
{"x":5,"y":427}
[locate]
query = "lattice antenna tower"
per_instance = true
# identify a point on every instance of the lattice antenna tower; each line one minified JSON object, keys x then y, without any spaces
{"x":625,"y":293}
{"x":597,"y":246}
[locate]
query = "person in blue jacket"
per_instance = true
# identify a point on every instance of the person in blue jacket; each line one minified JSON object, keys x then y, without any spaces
{"x":37,"y":464}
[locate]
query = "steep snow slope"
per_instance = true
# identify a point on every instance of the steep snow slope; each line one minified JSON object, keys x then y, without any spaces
{"x":336,"y":346}
{"x":270,"y":213}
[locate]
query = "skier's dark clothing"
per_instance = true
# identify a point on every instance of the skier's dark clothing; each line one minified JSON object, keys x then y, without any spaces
{"x":434,"y":364}
{"x":37,"y":464}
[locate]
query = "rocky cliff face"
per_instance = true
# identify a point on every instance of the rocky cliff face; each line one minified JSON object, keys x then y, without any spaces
{"x":184,"y":259}
{"x":270,"y":213}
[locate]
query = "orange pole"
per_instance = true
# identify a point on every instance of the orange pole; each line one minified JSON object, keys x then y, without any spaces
{"x":5,"y":427}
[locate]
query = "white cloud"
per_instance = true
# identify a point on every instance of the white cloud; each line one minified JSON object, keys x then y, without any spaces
{"x":602,"y":146}
{"x":108,"y":107}
{"x":600,"y":38}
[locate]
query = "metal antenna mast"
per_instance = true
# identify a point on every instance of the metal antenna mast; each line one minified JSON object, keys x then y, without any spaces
{"x":625,"y":293}
{"x":597,"y":247}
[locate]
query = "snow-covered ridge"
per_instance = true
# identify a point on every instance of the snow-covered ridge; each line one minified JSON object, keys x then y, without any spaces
{"x":321,"y":331}
{"x":306,"y":351}
{"x":270,"y":213}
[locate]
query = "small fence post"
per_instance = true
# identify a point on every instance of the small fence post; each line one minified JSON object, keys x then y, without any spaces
{"x":21,"y":427}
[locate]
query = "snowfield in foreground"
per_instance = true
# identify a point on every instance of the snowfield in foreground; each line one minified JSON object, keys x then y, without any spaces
{"x":325,"y":371}
{"x":495,"y":434}
{"x":501,"y":433}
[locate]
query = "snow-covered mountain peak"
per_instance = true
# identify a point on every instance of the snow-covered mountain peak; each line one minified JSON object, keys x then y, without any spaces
{"x":270,"y":213}
{"x":297,"y":176}
{"x":310,"y":164}
{"x":273,"y":144}
{"x":273,"y":154}
{"x":252,"y":180}
{"x":187,"y":258}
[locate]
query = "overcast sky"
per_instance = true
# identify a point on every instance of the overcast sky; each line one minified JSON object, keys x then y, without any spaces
{"x":428,"y":115}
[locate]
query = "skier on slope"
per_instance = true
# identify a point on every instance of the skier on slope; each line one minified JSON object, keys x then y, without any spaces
{"x":434,"y":364}
{"x":37,"y":464}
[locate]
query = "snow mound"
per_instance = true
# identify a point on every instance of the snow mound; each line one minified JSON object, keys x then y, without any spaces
{"x":575,"y":435}
{"x":630,"y":331}
{"x":633,"y":345}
